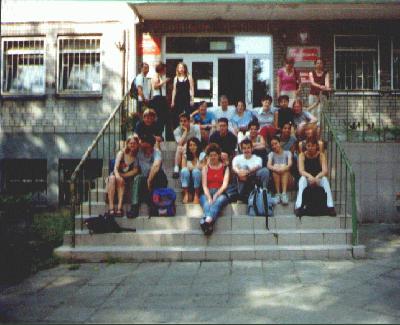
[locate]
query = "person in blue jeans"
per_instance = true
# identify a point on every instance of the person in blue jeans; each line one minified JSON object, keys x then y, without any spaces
{"x":215,"y":180}
{"x":191,"y":169}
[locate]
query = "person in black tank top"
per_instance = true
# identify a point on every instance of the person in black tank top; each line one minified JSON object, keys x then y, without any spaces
{"x":182,"y":92}
{"x":313,"y":170}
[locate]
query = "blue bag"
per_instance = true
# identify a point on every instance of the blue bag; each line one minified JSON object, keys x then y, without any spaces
{"x":260,"y":203}
{"x":163,"y":201}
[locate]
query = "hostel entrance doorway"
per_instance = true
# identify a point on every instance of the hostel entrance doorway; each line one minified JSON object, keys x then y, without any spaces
{"x":237,"y":66}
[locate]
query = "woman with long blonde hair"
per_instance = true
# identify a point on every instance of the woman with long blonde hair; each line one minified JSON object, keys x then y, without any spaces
{"x":183,"y":90}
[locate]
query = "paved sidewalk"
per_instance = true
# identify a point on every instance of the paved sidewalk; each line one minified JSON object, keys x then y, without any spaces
{"x":349,"y":291}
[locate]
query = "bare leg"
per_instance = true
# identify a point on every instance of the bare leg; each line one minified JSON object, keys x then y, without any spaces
{"x":277,"y":182}
{"x":120,"y":189}
{"x":285,"y":179}
{"x":196,"y":199}
{"x":185,"y":193}
{"x":111,"y":192}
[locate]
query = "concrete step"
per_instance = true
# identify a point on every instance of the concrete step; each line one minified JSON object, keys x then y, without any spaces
{"x":190,"y":209}
{"x":208,"y":253}
{"x":219,"y":238}
{"x":228,"y":223}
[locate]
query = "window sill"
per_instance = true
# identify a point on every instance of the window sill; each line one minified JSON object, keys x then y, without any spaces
{"x":23,"y":96}
{"x":357,"y":93}
{"x":79,"y":96}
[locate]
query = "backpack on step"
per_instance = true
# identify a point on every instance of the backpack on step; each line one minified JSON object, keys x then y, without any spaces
{"x":314,"y":201}
{"x":104,"y":224}
{"x":260,"y":203}
{"x":163,"y":202}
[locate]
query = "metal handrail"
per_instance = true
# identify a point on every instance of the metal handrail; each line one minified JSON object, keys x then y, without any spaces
{"x":366,"y":115}
{"x":121,"y":111}
{"x":348,"y":173}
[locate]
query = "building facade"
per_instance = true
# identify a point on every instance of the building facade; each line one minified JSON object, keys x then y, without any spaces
{"x":63,"y":73}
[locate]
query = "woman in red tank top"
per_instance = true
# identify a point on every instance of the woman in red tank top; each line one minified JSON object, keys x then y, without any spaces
{"x":215,"y":180}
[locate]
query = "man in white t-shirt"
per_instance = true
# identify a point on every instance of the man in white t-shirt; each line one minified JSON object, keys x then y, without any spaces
{"x":143,"y":85}
{"x":248,"y":169}
{"x":182,"y":134}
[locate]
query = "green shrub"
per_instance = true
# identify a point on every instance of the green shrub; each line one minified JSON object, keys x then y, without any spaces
{"x":29,"y":248}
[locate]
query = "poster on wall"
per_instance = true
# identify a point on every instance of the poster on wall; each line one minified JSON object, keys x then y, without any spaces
{"x":151,"y":51}
{"x":304,"y":58}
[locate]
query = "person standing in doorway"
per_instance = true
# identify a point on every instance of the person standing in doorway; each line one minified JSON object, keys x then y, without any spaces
{"x":159,"y":100}
{"x":183,"y":91}
{"x":288,"y":81}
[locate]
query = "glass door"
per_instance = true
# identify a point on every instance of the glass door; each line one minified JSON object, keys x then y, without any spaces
{"x":259,"y":83}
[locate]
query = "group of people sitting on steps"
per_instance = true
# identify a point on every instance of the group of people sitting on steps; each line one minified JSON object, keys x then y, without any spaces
{"x":219,"y":150}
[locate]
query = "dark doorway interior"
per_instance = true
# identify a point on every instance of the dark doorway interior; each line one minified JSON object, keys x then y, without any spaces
{"x":231,"y":79}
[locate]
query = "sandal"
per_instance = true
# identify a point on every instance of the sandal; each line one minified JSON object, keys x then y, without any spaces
{"x":119,"y":213}
{"x":110,"y":213}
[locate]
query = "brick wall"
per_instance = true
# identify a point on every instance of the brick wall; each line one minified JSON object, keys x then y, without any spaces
{"x":54,"y":114}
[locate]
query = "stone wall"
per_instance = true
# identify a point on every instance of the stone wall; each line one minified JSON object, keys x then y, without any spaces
{"x":376,"y":168}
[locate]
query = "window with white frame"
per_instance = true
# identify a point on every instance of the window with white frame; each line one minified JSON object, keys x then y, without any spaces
{"x":79,"y":65}
{"x":396,"y":63}
{"x":23,"y":71}
{"x":356,"y":62}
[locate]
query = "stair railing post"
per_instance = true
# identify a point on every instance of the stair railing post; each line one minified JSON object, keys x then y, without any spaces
{"x":72,"y":211}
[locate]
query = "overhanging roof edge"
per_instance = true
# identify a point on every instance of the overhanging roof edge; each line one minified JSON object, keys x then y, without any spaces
{"x":139,"y":2}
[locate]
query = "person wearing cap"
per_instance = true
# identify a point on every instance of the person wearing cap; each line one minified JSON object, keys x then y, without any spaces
{"x":149,"y":126}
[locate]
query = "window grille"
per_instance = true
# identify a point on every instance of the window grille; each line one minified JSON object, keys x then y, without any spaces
{"x":356,"y":62}
{"x":79,"y":65}
{"x":23,"y":71}
{"x":396,"y":64}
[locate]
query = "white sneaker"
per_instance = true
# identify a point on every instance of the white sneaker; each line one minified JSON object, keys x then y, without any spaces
{"x":277,"y":198}
{"x":285,"y":199}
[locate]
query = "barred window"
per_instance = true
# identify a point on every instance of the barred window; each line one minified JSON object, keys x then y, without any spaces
{"x":23,"y":71}
{"x":396,"y":63}
{"x":79,"y":65}
{"x":356,"y":62}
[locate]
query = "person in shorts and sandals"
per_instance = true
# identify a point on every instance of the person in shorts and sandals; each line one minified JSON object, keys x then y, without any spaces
{"x":125,"y":169}
{"x":151,"y":175}
{"x":279,"y":163}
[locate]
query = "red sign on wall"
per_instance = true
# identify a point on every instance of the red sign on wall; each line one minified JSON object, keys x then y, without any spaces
{"x":304,"y":56}
{"x":151,"y":45}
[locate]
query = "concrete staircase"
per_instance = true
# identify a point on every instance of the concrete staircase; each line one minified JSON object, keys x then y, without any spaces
{"x":237,"y":236}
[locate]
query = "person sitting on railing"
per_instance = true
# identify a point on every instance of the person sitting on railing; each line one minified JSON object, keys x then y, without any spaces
{"x":149,"y":127}
{"x":125,"y":169}
{"x":151,"y":175}
{"x":249,"y":170}
{"x":279,"y":163}
{"x":206,"y":120}
{"x":301,"y":118}
{"x":182,"y":133}
{"x":192,"y":163}
{"x":215,"y":180}
{"x":313,"y":169}
{"x":310,"y":133}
